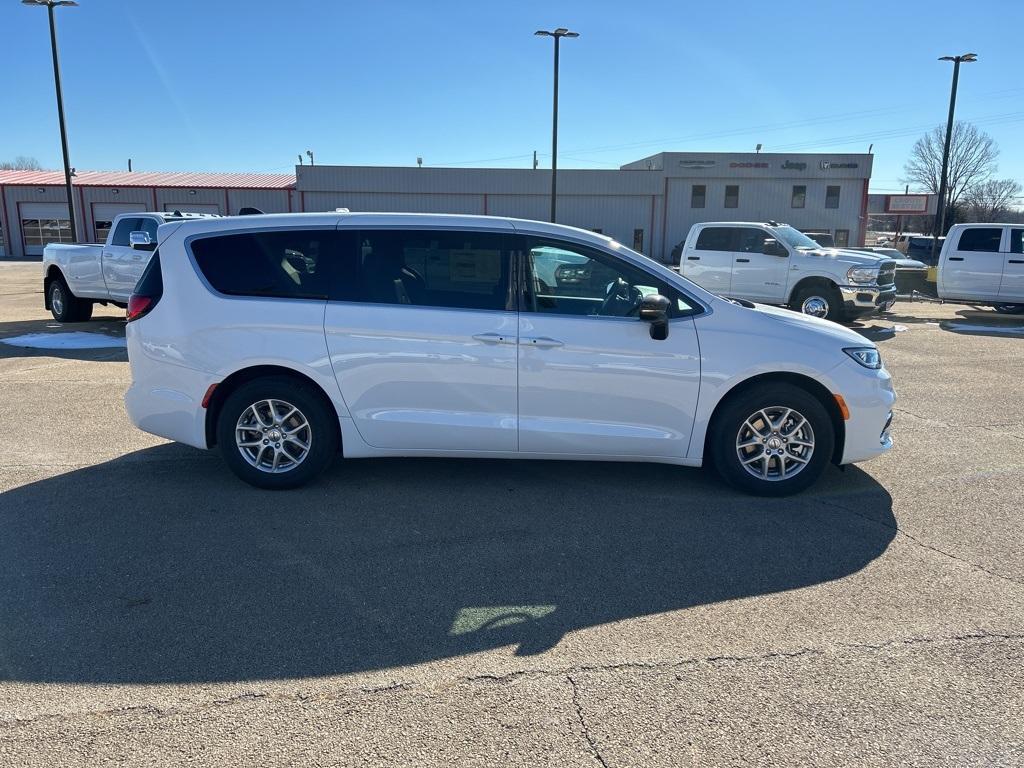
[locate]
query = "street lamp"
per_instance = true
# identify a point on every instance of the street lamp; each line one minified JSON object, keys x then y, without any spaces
{"x":50,"y":5}
{"x":557,"y":34}
{"x":940,"y":220}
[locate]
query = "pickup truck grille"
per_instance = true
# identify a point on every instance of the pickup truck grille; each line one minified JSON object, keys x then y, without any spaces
{"x":886,"y":274}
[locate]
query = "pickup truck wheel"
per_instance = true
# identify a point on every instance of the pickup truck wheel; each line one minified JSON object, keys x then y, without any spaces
{"x":65,"y":306}
{"x":277,"y":433}
{"x":772,"y":441}
{"x":818,"y":301}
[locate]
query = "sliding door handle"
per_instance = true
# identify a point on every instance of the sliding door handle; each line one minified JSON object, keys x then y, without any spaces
{"x":542,"y":342}
{"x":1015,"y":261}
{"x":956,"y":258}
{"x":492,"y":338}
{"x":693,"y":258}
{"x":743,"y":261}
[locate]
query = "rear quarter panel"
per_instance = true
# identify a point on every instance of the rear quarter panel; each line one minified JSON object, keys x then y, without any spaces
{"x":81,"y":267}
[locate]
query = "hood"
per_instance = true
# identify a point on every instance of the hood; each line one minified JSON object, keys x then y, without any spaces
{"x":859,"y":258}
{"x":831,"y":334}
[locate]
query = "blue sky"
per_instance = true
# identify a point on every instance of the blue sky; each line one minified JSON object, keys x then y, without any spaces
{"x":233,"y":86}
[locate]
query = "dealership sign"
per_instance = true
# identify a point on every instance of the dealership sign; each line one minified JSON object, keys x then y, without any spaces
{"x":790,"y":165}
{"x":829,"y":165}
{"x":687,"y":163}
{"x":748,"y":165}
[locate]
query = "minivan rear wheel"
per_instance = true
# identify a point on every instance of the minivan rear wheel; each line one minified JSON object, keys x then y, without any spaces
{"x":277,"y":433}
{"x":772,"y":441}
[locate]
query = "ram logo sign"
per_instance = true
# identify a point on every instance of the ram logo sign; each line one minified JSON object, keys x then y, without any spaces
{"x":828,"y":165}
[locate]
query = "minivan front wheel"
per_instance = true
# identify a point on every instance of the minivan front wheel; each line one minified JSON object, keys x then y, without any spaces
{"x":276,"y":433}
{"x":772,"y":441}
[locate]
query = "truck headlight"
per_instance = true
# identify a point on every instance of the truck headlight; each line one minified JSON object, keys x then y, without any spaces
{"x":862,"y":275}
{"x":866,"y":356}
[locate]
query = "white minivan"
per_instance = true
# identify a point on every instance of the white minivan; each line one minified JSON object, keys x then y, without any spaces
{"x":983,"y":264}
{"x":774,"y":263}
{"x":287,"y":339}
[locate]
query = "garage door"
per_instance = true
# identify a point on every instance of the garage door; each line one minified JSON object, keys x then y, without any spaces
{"x":103,"y":215}
{"x":43,"y":223}
{"x":192,"y":207}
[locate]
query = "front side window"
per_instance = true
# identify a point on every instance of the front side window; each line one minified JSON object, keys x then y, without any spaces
{"x":125,"y":227}
{"x":715,"y":239}
{"x":587,"y":281}
{"x":429,"y":268}
{"x":732,"y":196}
{"x":842,"y":238}
{"x":698,"y":195}
{"x":980,"y":239}
{"x":749,"y":240}
{"x":149,"y":226}
{"x":290,"y":264}
{"x":832,"y":197}
{"x":799,"y":196}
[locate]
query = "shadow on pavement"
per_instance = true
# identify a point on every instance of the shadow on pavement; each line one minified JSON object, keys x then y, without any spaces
{"x":161,"y":567}
{"x":30,"y":338}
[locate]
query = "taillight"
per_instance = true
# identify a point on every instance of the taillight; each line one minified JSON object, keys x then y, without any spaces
{"x":148,"y":291}
{"x":138,"y":306}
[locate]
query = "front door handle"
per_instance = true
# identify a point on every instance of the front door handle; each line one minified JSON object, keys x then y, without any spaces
{"x":491,"y":338}
{"x":743,"y":261}
{"x":1016,"y":261}
{"x":693,"y":258}
{"x":956,"y":258}
{"x":542,"y":342}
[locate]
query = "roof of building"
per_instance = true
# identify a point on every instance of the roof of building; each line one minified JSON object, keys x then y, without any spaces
{"x":186,"y":179}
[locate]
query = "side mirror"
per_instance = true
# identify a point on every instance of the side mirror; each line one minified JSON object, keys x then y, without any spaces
{"x":141,"y":241}
{"x":773,"y":247}
{"x":654,"y":310}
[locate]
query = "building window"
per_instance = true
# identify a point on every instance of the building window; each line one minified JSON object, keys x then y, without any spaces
{"x":102,"y":229}
{"x":732,"y":196}
{"x":842,"y":236}
{"x":44,"y":231}
{"x":698,"y":196}
{"x":832,"y":197}
{"x":799,"y":196}
{"x":638,"y":240}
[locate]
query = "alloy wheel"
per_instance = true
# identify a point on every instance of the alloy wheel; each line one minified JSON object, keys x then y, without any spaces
{"x":273,"y":436}
{"x":775,"y":443}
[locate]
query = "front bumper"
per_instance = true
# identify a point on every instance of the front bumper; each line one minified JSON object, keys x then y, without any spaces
{"x":870,"y":397}
{"x":867,"y":298}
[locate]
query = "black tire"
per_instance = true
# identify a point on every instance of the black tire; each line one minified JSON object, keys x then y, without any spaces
{"x":745,"y":406}
{"x":64,"y":305}
{"x":1009,"y":309}
{"x":312,"y":406}
{"x":804,"y":299}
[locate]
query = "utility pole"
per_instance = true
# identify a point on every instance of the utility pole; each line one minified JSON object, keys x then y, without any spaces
{"x":557,"y":34}
{"x":940,"y":214}
{"x":50,"y":5}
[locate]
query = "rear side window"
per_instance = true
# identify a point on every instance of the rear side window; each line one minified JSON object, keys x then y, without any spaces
{"x":980,"y":239}
{"x":715,"y":239}
{"x":428,"y":268}
{"x":291,"y":264}
{"x":1016,"y":241}
{"x":125,"y":227}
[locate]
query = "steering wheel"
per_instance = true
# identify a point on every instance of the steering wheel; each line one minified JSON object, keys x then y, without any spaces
{"x":619,"y":291}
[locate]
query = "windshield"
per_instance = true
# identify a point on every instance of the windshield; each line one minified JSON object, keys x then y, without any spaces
{"x":794,"y":238}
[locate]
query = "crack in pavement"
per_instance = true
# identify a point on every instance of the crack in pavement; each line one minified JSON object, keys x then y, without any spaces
{"x":924,"y":545}
{"x":490,"y":678}
{"x":583,"y":723}
{"x":1001,"y":428}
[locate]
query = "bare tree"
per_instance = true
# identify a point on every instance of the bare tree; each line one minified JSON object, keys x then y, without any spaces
{"x":21,"y":163}
{"x":993,"y":200}
{"x":972,"y":161}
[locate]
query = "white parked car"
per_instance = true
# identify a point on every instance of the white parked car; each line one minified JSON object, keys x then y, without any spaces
{"x":286,"y":339}
{"x":775,"y":264}
{"x":983,"y":264}
{"x":77,"y":276}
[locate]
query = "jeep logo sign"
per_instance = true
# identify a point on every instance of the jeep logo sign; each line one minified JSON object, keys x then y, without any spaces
{"x":789,"y":165}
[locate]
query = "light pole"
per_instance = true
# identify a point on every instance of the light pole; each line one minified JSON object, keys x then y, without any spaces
{"x":557,"y":34}
{"x":940,"y":219}
{"x":50,"y":5}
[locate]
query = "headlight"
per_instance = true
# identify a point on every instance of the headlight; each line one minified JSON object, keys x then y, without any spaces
{"x":866,"y":356}
{"x":862,"y":274}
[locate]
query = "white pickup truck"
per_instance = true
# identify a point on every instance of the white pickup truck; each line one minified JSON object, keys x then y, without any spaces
{"x":774,"y":263}
{"x":984,"y":264}
{"x":77,"y":276}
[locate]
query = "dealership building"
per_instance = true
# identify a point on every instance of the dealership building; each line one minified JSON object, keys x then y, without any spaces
{"x":648,"y":204}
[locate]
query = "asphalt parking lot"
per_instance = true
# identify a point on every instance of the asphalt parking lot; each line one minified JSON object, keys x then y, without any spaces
{"x":156,"y":611}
